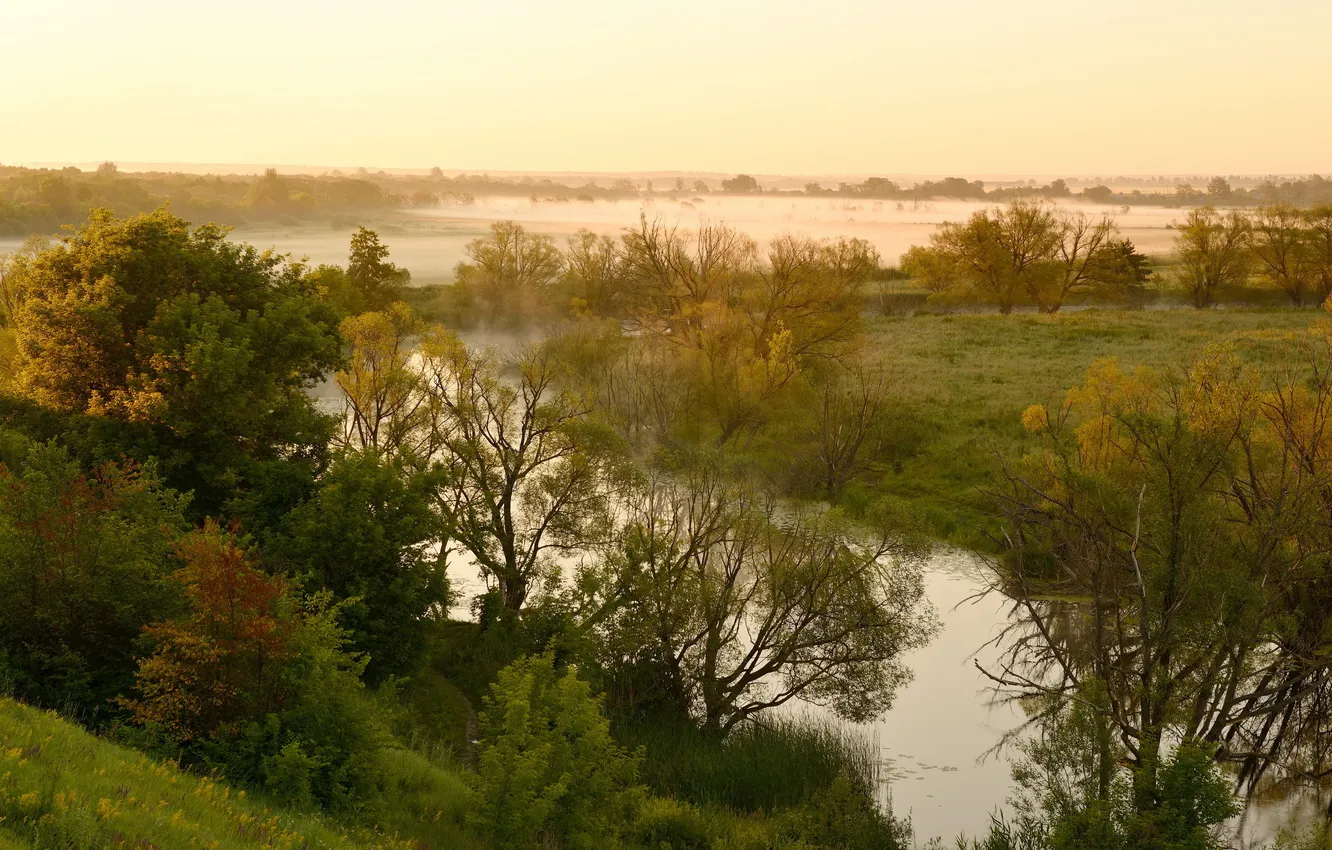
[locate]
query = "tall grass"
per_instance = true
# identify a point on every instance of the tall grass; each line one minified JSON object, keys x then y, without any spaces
{"x":763,"y":766}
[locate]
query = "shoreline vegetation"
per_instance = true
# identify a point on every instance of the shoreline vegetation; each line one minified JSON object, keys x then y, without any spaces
{"x":706,"y":493}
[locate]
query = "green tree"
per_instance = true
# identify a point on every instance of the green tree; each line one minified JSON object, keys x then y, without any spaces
{"x":548,"y":769}
{"x":199,"y":348}
{"x":511,"y":269}
{"x":82,"y":563}
{"x":385,"y":407}
{"x":525,"y":477}
{"x":1213,"y":253}
{"x":376,"y":282}
{"x":1165,"y":551}
{"x":826,"y":608}
{"x":1285,"y":249}
{"x":741,"y":184}
{"x":365,"y":536}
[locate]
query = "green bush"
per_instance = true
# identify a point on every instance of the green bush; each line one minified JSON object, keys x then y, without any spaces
{"x":548,"y":768}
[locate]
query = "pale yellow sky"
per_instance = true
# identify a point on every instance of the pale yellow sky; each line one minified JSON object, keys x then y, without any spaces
{"x":936,"y":86}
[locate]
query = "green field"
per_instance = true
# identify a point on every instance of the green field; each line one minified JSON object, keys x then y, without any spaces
{"x":966,"y":378}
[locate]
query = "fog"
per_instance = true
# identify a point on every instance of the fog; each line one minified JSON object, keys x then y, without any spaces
{"x":430,"y":241}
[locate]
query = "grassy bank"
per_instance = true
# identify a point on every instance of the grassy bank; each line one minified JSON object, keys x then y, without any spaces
{"x":968,"y":377}
{"x":63,"y":787}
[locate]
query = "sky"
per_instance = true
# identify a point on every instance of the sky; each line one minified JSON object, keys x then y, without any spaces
{"x":971,"y":87}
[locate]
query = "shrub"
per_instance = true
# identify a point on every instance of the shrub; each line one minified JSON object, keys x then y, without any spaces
{"x":82,"y":558}
{"x":548,"y":768}
{"x":253,"y":681}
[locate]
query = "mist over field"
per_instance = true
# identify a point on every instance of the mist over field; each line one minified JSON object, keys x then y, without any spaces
{"x":430,"y":241}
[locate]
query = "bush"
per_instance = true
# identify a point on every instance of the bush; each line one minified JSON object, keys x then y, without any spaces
{"x":82,"y":562}
{"x":253,"y":681}
{"x":548,"y":769}
{"x":668,"y":825}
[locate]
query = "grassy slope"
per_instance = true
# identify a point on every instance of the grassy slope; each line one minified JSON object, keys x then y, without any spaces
{"x":76,"y":790}
{"x":969,"y":377}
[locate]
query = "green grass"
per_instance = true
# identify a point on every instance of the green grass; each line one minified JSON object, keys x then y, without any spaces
{"x":61,"y":787}
{"x":968,"y":377}
{"x":778,"y":763}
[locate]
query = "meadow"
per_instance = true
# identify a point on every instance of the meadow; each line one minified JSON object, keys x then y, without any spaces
{"x":966,"y":378}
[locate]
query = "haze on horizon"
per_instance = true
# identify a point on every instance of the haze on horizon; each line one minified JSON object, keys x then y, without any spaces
{"x":953,"y":86}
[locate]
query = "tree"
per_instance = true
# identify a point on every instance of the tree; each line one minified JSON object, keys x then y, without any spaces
{"x":1090,"y":257}
{"x":850,"y":427}
{"x":384,"y":407}
{"x":156,"y":339}
{"x":1212,"y":249}
{"x":1284,"y":248}
{"x":548,"y":771}
{"x":254,"y":679}
{"x":741,"y":325}
{"x":511,"y":269}
{"x":593,"y":274}
{"x":1098,"y":194}
{"x":937,"y":270}
{"x":377,"y":282}
{"x":1319,"y":221}
{"x":741,"y":184}
{"x":12,"y":271}
{"x":738,"y":606}
{"x":1219,"y":187}
{"x":1003,"y":255}
{"x":1182,"y":515}
{"x":83,"y":558}
{"x":525,"y":478}
{"x":365,"y":536}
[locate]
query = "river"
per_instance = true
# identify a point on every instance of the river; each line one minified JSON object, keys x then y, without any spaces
{"x":940,"y":764}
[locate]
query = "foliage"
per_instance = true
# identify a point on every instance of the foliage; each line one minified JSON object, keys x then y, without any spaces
{"x":364,"y":537}
{"x":385,"y":407}
{"x":826,"y":608}
{"x":66,"y":788}
{"x":1212,"y":249}
{"x":206,"y":345}
{"x":1026,"y":252}
{"x":1065,"y":801}
{"x":82,"y":562}
{"x":524,"y":477}
{"x":548,"y":768}
{"x":510,"y":270}
{"x":1182,"y":508}
{"x":773,"y":764}
{"x":254,"y":681}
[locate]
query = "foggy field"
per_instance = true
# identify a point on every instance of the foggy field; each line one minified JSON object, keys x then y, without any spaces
{"x":430,"y":242}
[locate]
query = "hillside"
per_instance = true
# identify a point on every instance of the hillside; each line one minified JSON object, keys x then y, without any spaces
{"x":62,"y":787}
